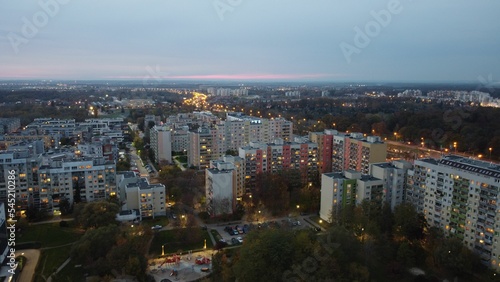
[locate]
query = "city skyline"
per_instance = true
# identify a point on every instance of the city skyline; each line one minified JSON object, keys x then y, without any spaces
{"x":250,"y":40}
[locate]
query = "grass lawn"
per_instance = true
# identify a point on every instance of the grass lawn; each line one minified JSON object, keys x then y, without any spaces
{"x":72,"y":273}
{"x":159,"y":220}
{"x":172,"y":244}
{"x":50,"y":234}
{"x":50,"y":260}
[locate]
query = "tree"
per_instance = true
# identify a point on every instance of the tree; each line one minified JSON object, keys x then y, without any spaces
{"x":135,"y":267}
{"x":457,"y":258}
{"x":408,"y":223}
{"x":64,"y":206}
{"x":98,"y":214}
{"x":272,"y":191}
{"x":94,"y":244}
{"x":265,"y":256}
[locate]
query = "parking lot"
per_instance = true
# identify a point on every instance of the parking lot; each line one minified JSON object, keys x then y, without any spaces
{"x":228,"y":234}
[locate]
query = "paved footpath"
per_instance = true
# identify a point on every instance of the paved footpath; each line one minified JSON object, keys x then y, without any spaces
{"x":32,"y":256}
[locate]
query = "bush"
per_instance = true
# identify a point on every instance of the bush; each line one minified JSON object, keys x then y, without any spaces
{"x":21,"y":260}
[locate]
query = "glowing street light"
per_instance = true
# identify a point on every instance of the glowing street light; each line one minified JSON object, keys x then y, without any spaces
{"x":490,"y":149}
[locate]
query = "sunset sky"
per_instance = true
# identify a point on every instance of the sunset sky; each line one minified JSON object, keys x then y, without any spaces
{"x":321,"y":40}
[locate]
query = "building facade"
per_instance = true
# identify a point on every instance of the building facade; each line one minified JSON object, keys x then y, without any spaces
{"x":460,"y":196}
{"x":161,"y":143}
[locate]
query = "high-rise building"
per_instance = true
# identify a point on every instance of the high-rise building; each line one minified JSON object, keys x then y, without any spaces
{"x":356,"y":152}
{"x":220,"y":188}
{"x":204,"y":147}
{"x":325,"y":143}
{"x":394,"y":176}
{"x":460,"y":196}
{"x":161,"y":143}
{"x":339,"y":189}
{"x":277,"y":156}
{"x":149,"y":199}
{"x":26,"y":172}
{"x":42,"y":181}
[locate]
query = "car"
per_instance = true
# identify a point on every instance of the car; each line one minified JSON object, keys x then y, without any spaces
{"x":240,"y":240}
{"x":234,"y":241}
{"x":156,"y":227}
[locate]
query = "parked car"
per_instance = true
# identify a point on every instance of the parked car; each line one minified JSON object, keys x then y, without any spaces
{"x":157,"y":227}
{"x":240,"y":240}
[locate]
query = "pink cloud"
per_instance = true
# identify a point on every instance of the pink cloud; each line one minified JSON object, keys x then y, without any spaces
{"x":236,"y":76}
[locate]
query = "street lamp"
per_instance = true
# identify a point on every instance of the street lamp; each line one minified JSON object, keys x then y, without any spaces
{"x":490,"y":149}
{"x":455,"y":146}
{"x":163,"y":249}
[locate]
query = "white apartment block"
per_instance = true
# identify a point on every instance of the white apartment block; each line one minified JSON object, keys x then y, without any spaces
{"x":161,"y":143}
{"x":236,"y":164}
{"x":180,"y":140}
{"x":220,"y":186}
{"x":54,"y":127}
{"x":460,"y":195}
{"x":26,"y":174}
{"x":84,"y":179}
{"x":149,"y":199}
{"x":41,"y":181}
{"x":394,"y":176}
{"x":339,"y":189}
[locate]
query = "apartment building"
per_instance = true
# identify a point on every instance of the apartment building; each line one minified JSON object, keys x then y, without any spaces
{"x":204,"y":146}
{"x":42,"y":181}
{"x":324,"y":140}
{"x":355,"y":151}
{"x":394,"y":176}
{"x":148,"y":198}
{"x":26,"y":173}
{"x":161,"y":143}
{"x":277,"y":156}
{"x":339,"y":189}
{"x":220,"y":188}
{"x":460,"y":196}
